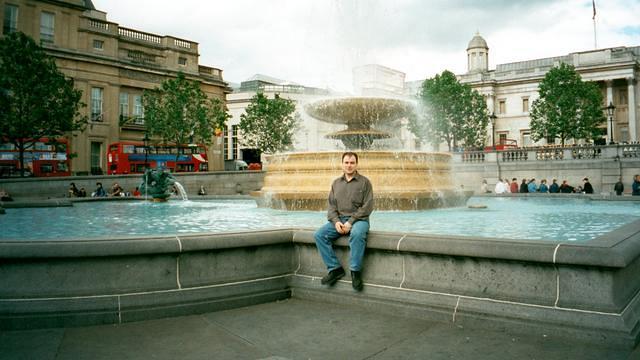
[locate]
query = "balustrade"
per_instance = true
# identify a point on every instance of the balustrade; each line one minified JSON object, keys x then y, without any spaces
{"x":553,"y":153}
{"x":139,"y":35}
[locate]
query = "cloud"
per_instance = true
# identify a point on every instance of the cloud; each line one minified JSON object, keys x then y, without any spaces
{"x":317,"y":43}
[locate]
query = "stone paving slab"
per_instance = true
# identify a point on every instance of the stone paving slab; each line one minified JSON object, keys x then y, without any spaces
{"x":292,"y":329}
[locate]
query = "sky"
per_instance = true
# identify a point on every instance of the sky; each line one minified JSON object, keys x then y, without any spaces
{"x":318,"y":42}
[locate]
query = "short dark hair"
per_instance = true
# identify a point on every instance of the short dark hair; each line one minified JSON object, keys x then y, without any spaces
{"x":349,"y":153}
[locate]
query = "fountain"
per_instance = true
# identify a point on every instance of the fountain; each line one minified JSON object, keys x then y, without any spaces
{"x":401,"y":180}
{"x":158,"y":183}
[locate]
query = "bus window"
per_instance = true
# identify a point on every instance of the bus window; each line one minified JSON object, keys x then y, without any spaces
{"x":46,"y":168}
{"x":62,"y":167}
{"x":128,"y":149}
{"x":113,"y":148}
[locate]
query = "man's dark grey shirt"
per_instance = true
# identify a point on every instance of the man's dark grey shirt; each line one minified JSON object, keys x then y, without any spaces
{"x":350,"y":198}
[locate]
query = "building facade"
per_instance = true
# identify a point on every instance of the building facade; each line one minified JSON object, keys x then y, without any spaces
{"x":511,"y":88}
{"x":112,"y":65}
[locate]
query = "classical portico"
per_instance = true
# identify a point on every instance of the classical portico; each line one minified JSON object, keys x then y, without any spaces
{"x":511,"y":88}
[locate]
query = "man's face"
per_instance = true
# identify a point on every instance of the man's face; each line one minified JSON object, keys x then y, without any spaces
{"x":349,"y":165}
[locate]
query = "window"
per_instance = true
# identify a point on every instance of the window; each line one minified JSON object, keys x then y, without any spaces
{"x":225,"y":148}
{"x":10,"y":23}
{"x":96,"y":158}
{"x":124,"y":106}
{"x":47,"y":22}
{"x":502,"y":138}
{"x":624,"y":134}
{"x":502,"y":106}
{"x":234,"y":141}
{"x":182,"y":61}
{"x":622,"y":97}
{"x":96,"y":104}
{"x":98,"y":44}
{"x":525,"y":105}
{"x":525,"y":136}
{"x":138,"y":110}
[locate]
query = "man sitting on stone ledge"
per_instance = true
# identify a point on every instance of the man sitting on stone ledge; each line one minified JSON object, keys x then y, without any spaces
{"x":350,"y":204}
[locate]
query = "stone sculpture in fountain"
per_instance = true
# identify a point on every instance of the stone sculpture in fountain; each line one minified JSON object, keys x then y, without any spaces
{"x":401,"y":180}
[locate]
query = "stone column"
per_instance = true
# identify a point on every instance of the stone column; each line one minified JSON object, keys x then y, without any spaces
{"x":609,"y":84}
{"x":631,"y":96}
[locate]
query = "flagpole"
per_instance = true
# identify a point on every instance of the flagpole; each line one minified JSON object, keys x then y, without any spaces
{"x":595,"y":35}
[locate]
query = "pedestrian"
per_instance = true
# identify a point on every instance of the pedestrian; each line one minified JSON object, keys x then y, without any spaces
{"x":543,"y":186}
{"x":523,"y":186}
{"x":619,"y":187}
{"x":514,"y":186}
{"x":532,"y":187}
{"x":483,"y":187}
{"x":554,"y":188}
{"x":635,"y":187}
{"x":350,"y":204}
{"x":587,"y":188}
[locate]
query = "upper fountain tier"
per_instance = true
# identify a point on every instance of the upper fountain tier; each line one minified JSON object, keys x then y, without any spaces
{"x":360,"y":114}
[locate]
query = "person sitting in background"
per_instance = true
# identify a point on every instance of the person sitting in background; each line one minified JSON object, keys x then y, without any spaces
{"x":514,"y":186}
{"x":136,"y":192}
{"x":82,"y":192}
{"x":543,"y":186}
{"x":499,"y":189}
{"x":202,"y":191}
{"x":116,"y":190}
{"x":565,"y":188}
{"x":554,"y":188}
{"x":484,"y":187}
{"x":100,"y":192}
{"x":4,"y":196}
{"x":532,"y":187}
{"x":73,"y":190}
{"x":588,"y":189}
{"x":523,"y":186}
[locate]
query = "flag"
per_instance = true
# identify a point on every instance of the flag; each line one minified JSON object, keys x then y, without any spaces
{"x":594,"y":9}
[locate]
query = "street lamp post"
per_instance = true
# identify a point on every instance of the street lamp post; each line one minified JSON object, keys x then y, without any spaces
{"x":493,"y":118}
{"x":145,"y":140}
{"x":610,"y":109}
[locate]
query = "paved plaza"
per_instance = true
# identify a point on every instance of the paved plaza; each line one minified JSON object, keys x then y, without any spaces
{"x":292,"y":329}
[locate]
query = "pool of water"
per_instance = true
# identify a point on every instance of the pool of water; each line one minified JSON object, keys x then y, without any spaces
{"x":509,"y":218}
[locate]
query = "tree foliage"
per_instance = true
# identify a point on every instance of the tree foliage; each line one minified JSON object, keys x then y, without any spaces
{"x":179,"y":112}
{"x":36,"y":100}
{"x":568,"y":108}
{"x":451,"y":112}
{"x":269,"y":124}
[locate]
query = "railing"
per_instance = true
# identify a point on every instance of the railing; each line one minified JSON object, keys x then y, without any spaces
{"x":552,"y":153}
{"x":182,"y":43}
{"x":97,"y":24}
{"x":473,"y":156}
{"x":139,"y":35}
{"x":206,"y":70}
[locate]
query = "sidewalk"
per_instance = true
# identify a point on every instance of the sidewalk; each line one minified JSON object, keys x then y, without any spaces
{"x":291,"y":329}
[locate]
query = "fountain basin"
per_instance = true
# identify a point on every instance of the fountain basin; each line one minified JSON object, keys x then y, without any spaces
{"x":401,"y":180}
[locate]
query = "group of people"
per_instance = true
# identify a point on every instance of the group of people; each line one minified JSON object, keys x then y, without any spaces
{"x":504,"y":186}
{"x":116,"y":190}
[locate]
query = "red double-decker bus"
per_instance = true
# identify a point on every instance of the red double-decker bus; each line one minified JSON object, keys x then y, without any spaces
{"x":46,"y":157}
{"x":130,"y":157}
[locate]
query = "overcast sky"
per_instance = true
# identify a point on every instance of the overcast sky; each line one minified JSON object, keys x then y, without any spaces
{"x":318,"y":42}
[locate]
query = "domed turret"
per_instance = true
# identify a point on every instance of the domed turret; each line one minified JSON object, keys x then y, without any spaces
{"x":477,"y":55}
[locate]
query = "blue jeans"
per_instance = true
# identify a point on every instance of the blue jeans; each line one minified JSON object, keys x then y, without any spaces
{"x":327,"y":234}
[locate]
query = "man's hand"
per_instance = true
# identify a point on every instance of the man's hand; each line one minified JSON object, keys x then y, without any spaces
{"x":343,"y":228}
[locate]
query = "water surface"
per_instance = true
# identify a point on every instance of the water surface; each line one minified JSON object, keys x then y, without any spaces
{"x":509,"y":218}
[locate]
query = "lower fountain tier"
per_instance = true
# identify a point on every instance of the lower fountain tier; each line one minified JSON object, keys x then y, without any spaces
{"x":400,"y":180}
{"x":383,"y":200}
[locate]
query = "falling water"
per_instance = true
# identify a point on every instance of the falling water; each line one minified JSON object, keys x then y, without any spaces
{"x":181,"y":191}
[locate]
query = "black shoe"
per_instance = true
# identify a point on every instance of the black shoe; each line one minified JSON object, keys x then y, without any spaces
{"x":356,"y":280}
{"x":333,"y":276}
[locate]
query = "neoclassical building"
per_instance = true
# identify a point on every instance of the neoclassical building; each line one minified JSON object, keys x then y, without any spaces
{"x":112,"y":65}
{"x":511,"y":88}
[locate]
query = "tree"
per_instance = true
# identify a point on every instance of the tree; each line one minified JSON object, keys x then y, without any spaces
{"x":568,"y":108}
{"x":451,"y":112}
{"x":36,"y":100}
{"x":180,"y":112}
{"x":268,"y":124}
